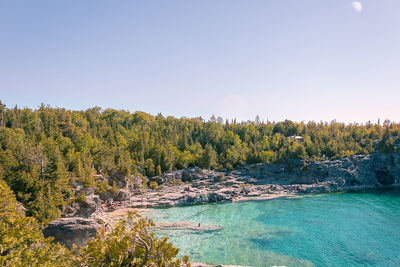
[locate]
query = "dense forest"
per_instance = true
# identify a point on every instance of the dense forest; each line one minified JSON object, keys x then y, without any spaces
{"x":42,"y":151}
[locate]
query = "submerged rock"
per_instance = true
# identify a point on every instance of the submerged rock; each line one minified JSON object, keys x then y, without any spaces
{"x":188,"y":226}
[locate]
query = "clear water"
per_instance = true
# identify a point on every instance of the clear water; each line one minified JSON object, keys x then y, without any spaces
{"x":345,"y":229}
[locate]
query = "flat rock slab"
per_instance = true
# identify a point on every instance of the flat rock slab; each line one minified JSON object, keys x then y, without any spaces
{"x":187,"y":226}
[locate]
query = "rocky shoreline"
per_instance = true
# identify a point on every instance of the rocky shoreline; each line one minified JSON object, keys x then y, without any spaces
{"x":81,"y":220}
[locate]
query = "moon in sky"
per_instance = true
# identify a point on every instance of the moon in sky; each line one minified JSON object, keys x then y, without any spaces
{"x":357,"y":6}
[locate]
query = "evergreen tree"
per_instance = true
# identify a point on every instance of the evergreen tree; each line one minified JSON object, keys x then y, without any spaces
{"x":209,"y":157}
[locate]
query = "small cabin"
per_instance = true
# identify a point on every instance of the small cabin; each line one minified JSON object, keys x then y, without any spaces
{"x":297,"y":138}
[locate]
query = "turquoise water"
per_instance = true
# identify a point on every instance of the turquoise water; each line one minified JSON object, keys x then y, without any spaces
{"x":346,"y":229}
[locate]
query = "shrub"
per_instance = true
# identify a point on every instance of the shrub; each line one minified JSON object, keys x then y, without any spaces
{"x":114,"y":188}
{"x":304,"y":167}
{"x":130,"y":244}
{"x":81,"y":197}
{"x":21,"y":241}
{"x":153,"y":185}
{"x":229,"y":167}
{"x":221,"y":177}
{"x":101,"y":186}
{"x":144,"y":183}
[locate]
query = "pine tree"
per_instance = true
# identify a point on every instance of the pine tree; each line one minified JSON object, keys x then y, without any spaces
{"x":209,"y":157}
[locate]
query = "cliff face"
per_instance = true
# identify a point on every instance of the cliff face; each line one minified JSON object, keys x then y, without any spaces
{"x":364,"y":170}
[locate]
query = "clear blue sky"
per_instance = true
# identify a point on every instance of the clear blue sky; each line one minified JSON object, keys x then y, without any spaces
{"x":280,"y":59}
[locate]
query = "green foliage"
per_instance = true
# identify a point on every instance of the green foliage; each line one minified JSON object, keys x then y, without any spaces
{"x":153,"y":185}
{"x":386,"y":144}
{"x":144,"y":183}
{"x":43,"y":150}
{"x":81,"y":197}
{"x":149,"y":168}
{"x":129,"y":244}
{"x":221,"y":177}
{"x":158,"y":170}
{"x":88,"y":181}
{"x":21,"y":241}
{"x":266,"y":156}
{"x":229,"y":166}
{"x":208,"y":158}
{"x":304,"y":167}
{"x":101,"y":186}
{"x":173,"y":182}
{"x":114,"y":188}
{"x":47,"y":204}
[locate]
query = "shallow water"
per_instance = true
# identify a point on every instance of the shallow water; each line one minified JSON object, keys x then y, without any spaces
{"x":344,"y":229}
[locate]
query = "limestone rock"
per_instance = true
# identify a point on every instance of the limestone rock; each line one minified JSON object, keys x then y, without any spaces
{"x":85,"y":209}
{"x":69,"y":231}
{"x":122,"y":195}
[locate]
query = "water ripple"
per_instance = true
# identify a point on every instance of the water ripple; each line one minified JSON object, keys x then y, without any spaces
{"x":352,"y":229}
